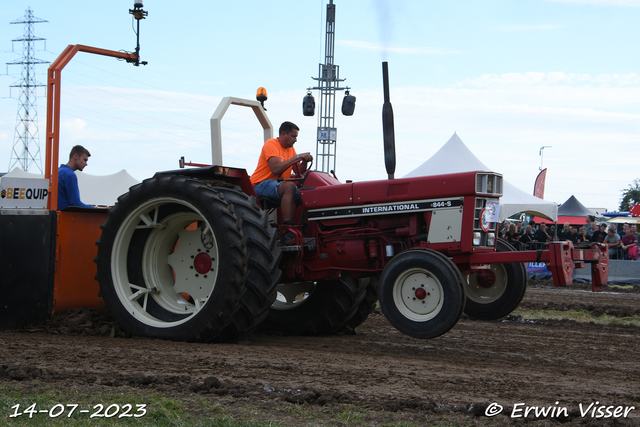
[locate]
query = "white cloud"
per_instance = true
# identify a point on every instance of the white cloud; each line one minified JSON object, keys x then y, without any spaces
{"x":74,"y":129}
{"x":552,"y":79}
{"x":391,"y":48}
{"x":529,"y":27}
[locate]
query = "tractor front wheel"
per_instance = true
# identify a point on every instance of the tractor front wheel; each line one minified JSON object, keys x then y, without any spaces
{"x":497,"y":291}
{"x":421,"y":293}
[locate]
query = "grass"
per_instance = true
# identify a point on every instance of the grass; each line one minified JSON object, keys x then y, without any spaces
{"x":193,"y":411}
{"x":301,"y":411}
{"x":401,"y":424}
{"x":351,"y":415}
{"x":576,"y":315}
{"x":158,"y":410}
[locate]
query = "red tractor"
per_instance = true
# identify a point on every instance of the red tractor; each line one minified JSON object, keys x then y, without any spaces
{"x":192,"y":255}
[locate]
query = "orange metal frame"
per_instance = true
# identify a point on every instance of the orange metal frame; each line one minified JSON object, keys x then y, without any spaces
{"x":74,"y":284}
{"x":53,"y":110}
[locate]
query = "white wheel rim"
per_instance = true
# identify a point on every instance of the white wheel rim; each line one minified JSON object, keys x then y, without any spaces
{"x":170,"y":272}
{"x":292,"y":295}
{"x":476,"y":292}
{"x":418,"y":295}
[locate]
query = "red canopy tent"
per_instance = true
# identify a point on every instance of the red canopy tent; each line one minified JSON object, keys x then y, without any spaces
{"x":571,"y":211}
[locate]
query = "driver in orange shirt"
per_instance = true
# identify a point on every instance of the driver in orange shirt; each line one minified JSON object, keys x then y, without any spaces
{"x":277,"y":160}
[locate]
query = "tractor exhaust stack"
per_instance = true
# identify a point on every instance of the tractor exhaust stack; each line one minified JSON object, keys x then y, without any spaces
{"x":387,"y":126}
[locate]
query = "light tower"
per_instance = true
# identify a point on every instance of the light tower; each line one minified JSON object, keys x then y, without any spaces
{"x":328,"y":83}
{"x":26,"y":144}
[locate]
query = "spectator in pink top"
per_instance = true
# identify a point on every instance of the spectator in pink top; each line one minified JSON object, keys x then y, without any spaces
{"x":629,"y":245}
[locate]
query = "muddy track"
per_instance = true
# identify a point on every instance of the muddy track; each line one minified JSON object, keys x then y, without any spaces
{"x":475,"y":364}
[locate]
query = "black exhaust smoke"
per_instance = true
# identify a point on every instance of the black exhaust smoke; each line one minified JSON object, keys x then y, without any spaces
{"x":387,"y":126}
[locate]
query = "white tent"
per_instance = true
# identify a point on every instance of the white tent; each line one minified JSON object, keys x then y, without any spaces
{"x":19,"y":173}
{"x":455,"y":157}
{"x":104,"y":190}
{"x":94,"y":190}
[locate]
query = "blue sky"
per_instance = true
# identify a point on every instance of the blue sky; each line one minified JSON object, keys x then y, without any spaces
{"x":508,"y":76}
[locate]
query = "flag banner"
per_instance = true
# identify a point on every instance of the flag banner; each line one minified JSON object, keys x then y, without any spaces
{"x":538,"y":188}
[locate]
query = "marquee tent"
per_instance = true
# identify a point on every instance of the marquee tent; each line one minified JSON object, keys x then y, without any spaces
{"x":573,"y":207}
{"x":94,"y":190}
{"x":455,"y":157}
{"x":573,"y":212}
{"x":104,"y":190}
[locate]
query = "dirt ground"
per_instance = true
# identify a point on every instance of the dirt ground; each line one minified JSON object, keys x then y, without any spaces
{"x":459,"y":378}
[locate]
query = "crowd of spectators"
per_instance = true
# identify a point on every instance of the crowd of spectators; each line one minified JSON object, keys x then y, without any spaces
{"x":536,"y":236}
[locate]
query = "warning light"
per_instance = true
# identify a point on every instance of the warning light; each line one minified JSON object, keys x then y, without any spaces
{"x":261,"y":96}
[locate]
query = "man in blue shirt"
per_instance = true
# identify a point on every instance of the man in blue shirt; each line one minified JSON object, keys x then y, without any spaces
{"x":68,"y":193}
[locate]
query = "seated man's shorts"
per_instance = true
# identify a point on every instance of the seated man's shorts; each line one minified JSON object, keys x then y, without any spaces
{"x":268,"y":189}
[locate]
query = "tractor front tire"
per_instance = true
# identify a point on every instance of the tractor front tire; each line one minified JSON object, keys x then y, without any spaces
{"x":172,"y":260}
{"x":421,"y":293}
{"x":494,"y":293}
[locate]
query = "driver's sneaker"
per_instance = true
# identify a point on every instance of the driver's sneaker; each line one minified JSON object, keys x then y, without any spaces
{"x":288,"y":238}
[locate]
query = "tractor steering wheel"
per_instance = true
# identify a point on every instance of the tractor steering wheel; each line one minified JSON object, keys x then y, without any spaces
{"x":296,"y":165}
{"x":300,"y":177}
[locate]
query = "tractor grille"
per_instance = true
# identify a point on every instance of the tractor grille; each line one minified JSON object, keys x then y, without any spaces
{"x":481,"y":237}
{"x":489,"y":184}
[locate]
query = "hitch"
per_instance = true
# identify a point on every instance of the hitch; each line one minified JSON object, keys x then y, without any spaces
{"x":561,"y":259}
{"x":564,"y":258}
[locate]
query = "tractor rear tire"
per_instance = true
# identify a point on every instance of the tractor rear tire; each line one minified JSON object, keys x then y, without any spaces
{"x":421,"y":293}
{"x":495,"y":296}
{"x":308,"y":308}
{"x":264,"y":258}
{"x":366,"y":306}
{"x":172,"y":260}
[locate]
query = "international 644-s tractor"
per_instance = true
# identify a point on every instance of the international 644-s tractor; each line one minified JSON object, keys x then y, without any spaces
{"x":192,"y":255}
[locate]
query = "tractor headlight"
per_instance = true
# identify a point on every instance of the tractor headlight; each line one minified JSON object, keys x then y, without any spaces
{"x":491,"y":239}
{"x":476,"y":238}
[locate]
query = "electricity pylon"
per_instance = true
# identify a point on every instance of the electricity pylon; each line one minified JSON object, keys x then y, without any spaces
{"x":26,"y":144}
